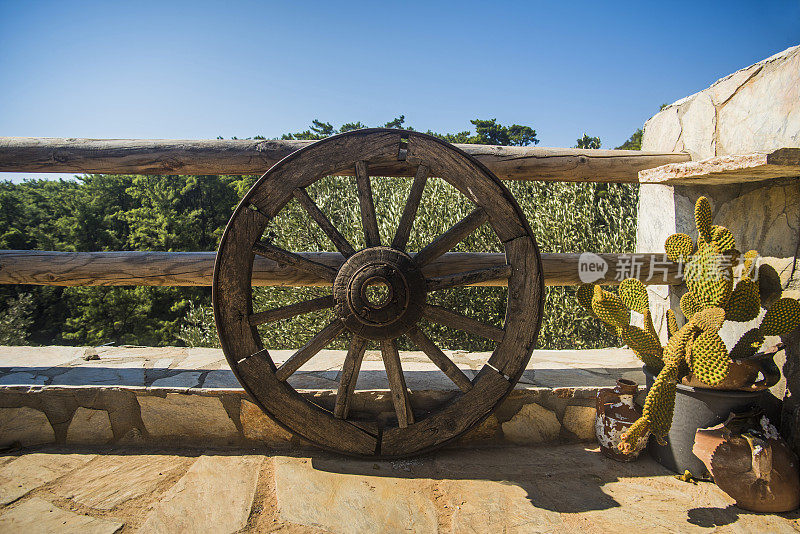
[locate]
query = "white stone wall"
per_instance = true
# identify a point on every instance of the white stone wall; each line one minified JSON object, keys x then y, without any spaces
{"x":756,"y":109}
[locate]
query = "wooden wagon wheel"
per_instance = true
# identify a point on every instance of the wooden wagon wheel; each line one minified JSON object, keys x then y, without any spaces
{"x":397,"y":312}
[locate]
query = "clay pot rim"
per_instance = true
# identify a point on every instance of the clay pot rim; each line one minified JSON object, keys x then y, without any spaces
{"x":711,"y":392}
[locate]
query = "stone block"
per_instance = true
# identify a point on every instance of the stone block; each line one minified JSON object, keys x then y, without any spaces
{"x":26,"y":426}
{"x":192,"y":417}
{"x":580,"y":421}
{"x":488,"y":430}
{"x":532,"y":424}
{"x":756,"y":109}
{"x":258,"y":426}
{"x":112,"y":480}
{"x":186,"y":379}
{"x":89,"y":427}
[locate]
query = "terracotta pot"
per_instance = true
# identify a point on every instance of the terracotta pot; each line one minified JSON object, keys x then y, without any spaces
{"x":743,"y":374}
{"x":750,"y":462}
{"x":696,"y":408}
{"x":616,"y":412}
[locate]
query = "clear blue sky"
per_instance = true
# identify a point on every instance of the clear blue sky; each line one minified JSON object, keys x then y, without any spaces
{"x":201,"y":69}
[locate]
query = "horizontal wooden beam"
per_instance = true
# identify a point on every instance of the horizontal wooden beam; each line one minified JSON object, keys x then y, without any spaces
{"x":196,"y":268}
{"x":254,"y":157}
{"x":732,"y":169}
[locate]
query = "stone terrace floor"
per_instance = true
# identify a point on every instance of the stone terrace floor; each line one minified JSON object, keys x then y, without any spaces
{"x":566,"y":488}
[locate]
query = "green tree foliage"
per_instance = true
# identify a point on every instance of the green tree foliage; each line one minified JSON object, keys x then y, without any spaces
{"x":634,"y":142}
{"x":16,"y":319}
{"x":588,"y":142}
{"x":189,"y":213}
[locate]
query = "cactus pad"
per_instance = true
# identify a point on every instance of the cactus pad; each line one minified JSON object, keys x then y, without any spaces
{"x":702,"y":218}
{"x":745,"y":302}
{"x":585,"y":294}
{"x":679,"y":247}
{"x":658,"y":408}
{"x":688,"y":306}
{"x":645,"y":346}
{"x":709,"y":320}
{"x":709,"y":277}
{"x":781,"y":318}
{"x":747,"y":345}
{"x":672,"y":323}
{"x":634,"y":295}
{"x":722,"y":237}
{"x":710,"y":358}
{"x":610,"y":308}
{"x":749,"y":257}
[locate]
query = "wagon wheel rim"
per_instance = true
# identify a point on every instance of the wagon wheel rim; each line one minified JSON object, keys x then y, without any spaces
{"x":401,"y":302}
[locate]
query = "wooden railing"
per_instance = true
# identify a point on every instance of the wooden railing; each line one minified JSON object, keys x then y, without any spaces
{"x":179,"y":157}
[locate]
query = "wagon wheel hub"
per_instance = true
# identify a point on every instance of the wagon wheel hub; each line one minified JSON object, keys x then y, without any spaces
{"x":379,"y":293}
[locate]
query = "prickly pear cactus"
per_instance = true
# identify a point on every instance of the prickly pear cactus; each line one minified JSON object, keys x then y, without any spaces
{"x":781,"y":318}
{"x":711,"y":299}
{"x":615,"y":312}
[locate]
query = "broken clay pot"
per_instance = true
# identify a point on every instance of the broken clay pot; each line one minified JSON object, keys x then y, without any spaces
{"x":750,"y":462}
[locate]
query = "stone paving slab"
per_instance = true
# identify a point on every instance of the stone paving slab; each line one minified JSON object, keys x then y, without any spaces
{"x":26,"y":473}
{"x":215,"y":495}
{"x":39,"y":516}
{"x":568,"y":488}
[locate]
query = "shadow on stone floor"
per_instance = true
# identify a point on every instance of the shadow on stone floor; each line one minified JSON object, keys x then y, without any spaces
{"x":565,"y":479}
{"x":710,"y":517}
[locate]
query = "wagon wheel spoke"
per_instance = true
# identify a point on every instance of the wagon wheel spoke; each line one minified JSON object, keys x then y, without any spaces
{"x":441,"y":360}
{"x":295,"y":260}
{"x":410,"y":210}
{"x":397,"y":383}
{"x":309,"y":350}
{"x":451,"y":237}
{"x":347,"y":382}
{"x":476,"y":276}
{"x":291,"y":310}
{"x":339,"y":241}
{"x":368,"y":218}
{"x":446,"y":317}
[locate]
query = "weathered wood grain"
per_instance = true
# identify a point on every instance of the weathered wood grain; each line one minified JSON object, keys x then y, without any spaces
{"x":310,"y":349}
{"x":397,"y":383}
{"x":446,"y":317}
{"x":241,"y":156}
{"x":295,"y":412}
{"x":439,"y":358}
{"x":291,"y":310}
{"x":478,"y":276}
{"x":295,"y":261}
{"x":349,"y":376}
{"x":39,"y":267}
{"x":369,"y":220}
{"x":406,"y":223}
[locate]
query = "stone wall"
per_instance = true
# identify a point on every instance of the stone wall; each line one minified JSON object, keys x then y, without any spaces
{"x":756,"y":109}
{"x":191,"y":417}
